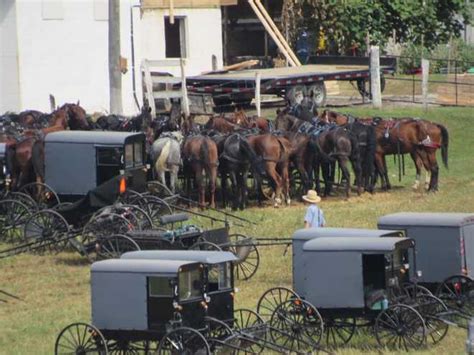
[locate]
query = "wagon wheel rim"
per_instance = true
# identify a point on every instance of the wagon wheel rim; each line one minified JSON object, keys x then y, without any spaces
{"x":272,"y":298}
{"x":125,"y":347}
{"x":217,"y":332}
{"x":457,"y":293}
{"x":184,"y":341}
{"x":144,"y":220}
{"x":338,"y":331}
{"x":24,"y":198}
{"x":155,"y":207}
{"x":42,"y":194}
{"x":156,"y":188}
{"x":13,"y":216}
{"x":432,"y":309}
{"x":296,"y":325}
{"x":80,"y":338}
{"x":48,"y":229}
{"x":400,"y":327}
{"x":248,"y":321}
{"x":114,"y":246}
{"x":247,"y":265}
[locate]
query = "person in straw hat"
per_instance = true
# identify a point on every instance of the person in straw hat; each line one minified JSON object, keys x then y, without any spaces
{"x":314,"y":215}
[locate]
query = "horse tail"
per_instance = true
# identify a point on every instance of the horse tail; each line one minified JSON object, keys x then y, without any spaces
{"x":444,"y":144}
{"x":160,"y":164}
{"x":37,"y":159}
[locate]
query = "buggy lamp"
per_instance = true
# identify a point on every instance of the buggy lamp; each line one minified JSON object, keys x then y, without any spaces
{"x":178,"y":307}
{"x":123,"y":185}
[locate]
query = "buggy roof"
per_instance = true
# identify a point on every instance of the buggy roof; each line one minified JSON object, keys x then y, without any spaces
{"x":90,"y":137}
{"x":427,"y":219}
{"x":206,"y":257}
{"x":357,"y":244}
{"x":140,"y":266}
{"x":311,"y":233}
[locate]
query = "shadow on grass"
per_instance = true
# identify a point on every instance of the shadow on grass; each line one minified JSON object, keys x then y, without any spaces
{"x":72,"y":261}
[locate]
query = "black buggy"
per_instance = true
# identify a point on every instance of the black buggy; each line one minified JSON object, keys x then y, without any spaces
{"x":87,"y":171}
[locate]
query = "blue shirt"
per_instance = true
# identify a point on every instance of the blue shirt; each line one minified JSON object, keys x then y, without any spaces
{"x":314,"y":216}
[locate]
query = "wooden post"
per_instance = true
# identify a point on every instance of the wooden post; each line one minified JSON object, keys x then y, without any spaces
{"x":224,"y":37}
{"x":52,"y":102}
{"x":258,"y":78}
{"x":375,"y":87}
{"x":149,"y":87}
{"x":115,"y":75}
{"x":184,"y":90}
{"x":425,"y":72}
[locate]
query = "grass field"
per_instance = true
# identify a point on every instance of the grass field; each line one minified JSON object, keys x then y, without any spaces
{"x":55,"y":289}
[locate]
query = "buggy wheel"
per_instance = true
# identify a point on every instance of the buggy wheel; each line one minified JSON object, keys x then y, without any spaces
{"x":125,"y":347}
{"x":44,"y":196}
{"x":25,"y":199}
{"x":216,"y":334}
{"x":205,"y":245}
{"x":80,"y":338}
{"x":246,"y":251}
{"x":48,"y":229}
{"x":155,"y":207}
{"x":130,"y":197}
{"x":247,"y":321}
{"x":432,"y":309}
{"x":184,"y":341}
{"x":156,"y":188}
{"x":400,"y":327}
{"x":13,"y":216}
{"x":272,"y":298}
{"x":414,"y":290}
{"x":338,"y":331}
{"x":457,"y":293}
{"x":297,"y":326}
{"x":113,"y":247}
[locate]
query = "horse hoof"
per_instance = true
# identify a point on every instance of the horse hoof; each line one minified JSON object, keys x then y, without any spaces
{"x":288,"y":202}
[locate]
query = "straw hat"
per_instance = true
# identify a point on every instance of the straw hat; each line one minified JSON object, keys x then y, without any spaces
{"x":312,"y":197}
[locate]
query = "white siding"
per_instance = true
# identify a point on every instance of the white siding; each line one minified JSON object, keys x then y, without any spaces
{"x":9,"y":83}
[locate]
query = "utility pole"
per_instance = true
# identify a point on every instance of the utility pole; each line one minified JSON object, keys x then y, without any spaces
{"x":115,"y":75}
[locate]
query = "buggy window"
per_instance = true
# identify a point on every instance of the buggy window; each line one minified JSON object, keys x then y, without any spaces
{"x":219,"y":277}
{"x":129,"y":156}
{"x":190,"y":284}
{"x":159,"y":287}
{"x":109,"y":156}
{"x":138,"y":153}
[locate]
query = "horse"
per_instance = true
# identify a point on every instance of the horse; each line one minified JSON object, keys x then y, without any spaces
{"x":125,"y":124}
{"x":235,"y":160}
{"x":275,"y":151}
{"x":166,"y":156}
{"x":221,"y":124}
{"x":201,"y":157}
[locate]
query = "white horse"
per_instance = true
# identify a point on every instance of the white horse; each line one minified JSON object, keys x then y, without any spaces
{"x":166,"y":157}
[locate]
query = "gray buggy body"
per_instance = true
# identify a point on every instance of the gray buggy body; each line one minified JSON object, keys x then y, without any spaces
{"x":444,"y":242}
{"x":79,"y":161}
{"x":142,"y":295}
{"x":219,"y":279}
{"x":301,"y":236}
{"x":339,"y":273}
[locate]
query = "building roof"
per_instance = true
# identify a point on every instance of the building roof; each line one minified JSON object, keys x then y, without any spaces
{"x":426,"y":219}
{"x":311,"y":233}
{"x":357,"y":244}
{"x":90,"y":137}
{"x":140,"y":266}
{"x":205,"y":257}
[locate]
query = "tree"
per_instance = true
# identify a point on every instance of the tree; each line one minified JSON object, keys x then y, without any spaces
{"x":347,"y":23}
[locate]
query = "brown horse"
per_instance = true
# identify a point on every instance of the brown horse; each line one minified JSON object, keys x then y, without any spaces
{"x":222,"y":125}
{"x":240,"y":118}
{"x":201,"y":158}
{"x":275,"y":152}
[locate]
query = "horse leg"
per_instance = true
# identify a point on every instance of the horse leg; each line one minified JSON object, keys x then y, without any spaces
{"x":358,"y":175}
{"x":275,"y":181}
{"x":235,"y":189}
{"x":379,"y":162}
{"x":385,"y":171}
{"x":430,"y":163}
{"x":200,"y":181}
{"x":417,"y":159}
{"x":345,"y":174}
{"x":212,"y":183}
{"x":224,"y":188}
{"x":285,"y":180}
{"x":327,"y":177}
{"x":173,"y":178}
{"x":241,"y":182}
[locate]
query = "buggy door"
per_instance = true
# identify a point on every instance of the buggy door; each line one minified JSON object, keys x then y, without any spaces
{"x":160,"y":302}
{"x":109,"y":163}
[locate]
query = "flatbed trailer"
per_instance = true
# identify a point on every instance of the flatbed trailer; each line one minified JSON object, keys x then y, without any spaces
{"x":239,"y":86}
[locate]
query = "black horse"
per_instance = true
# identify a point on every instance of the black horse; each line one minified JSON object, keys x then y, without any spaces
{"x":125,"y":124}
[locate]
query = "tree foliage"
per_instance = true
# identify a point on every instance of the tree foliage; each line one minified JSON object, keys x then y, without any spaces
{"x":347,"y":23}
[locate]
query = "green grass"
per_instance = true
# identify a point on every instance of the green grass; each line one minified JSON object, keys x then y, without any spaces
{"x":55,"y":288}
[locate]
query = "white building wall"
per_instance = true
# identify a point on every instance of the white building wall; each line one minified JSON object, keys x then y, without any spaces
{"x":68,"y":56}
{"x":9,"y":82}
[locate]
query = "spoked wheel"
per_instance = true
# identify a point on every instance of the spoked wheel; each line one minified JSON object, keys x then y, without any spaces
{"x":156,"y":188}
{"x":296,"y":326}
{"x":249,"y":322}
{"x":101,"y":226}
{"x":155,"y":207}
{"x":130,"y":197}
{"x":272,"y":298}
{"x":124,"y":347}
{"x":217,"y":332}
{"x":413,"y":290}
{"x":400,"y":327}
{"x":184,"y":341}
{"x":112,"y":247}
{"x":457,"y":293}
{"x":432,"y":309}
{"x":80,"y":339}
{"x":123,"y":211}
{"x":205,"y":245}
{"x":13,"y":216}
{"x":338,"y":331}
{"x":25,"y":199}
{"x":245,"y":249}
{"x":48,"y":229}
{"x":43,"y":194}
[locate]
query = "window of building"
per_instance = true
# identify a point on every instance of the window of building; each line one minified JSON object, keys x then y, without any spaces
{"x":52,"y":10}
{"x":175,"y":37}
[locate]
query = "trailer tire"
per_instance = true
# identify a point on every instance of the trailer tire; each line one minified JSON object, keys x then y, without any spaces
{"x":317,"y":93}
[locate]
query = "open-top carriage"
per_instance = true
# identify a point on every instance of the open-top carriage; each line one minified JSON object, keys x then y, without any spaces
{"x":445,"y":254}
